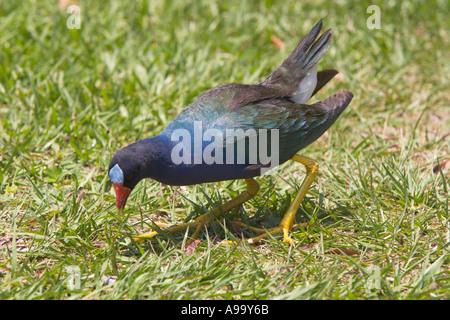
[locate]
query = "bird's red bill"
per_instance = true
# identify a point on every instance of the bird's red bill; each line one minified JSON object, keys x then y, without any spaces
{"x":122,"y":194}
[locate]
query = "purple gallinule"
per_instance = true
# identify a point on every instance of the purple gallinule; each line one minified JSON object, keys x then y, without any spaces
{"x":228,"y":132}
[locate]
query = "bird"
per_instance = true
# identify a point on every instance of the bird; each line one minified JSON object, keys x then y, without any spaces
{"x":228,"y":132}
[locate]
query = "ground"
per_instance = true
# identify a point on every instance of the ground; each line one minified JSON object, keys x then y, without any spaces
{"x":70,"y":98}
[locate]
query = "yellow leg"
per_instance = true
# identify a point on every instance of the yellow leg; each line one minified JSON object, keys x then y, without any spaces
{"x":205,"y":220}
{"x":312,"y":167}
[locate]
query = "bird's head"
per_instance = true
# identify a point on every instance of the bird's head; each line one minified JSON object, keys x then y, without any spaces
{"x":139,"y":160}
{"x":125,"y":171}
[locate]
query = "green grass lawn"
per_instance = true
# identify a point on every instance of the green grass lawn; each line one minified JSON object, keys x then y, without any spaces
{"x":70,"y":98}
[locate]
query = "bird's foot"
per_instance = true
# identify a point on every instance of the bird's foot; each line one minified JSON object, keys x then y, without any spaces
{"x":266,"y":233}
{"x":205,"y":220}
{"x":198,"y":224}
{"x":149,"y":235}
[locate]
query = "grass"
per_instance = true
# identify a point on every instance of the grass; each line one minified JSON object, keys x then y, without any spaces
{"x":70,"y":98}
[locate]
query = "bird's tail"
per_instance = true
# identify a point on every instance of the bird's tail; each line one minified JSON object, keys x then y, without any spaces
{"x":335,"y":104}
{"x":296,"y":78}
